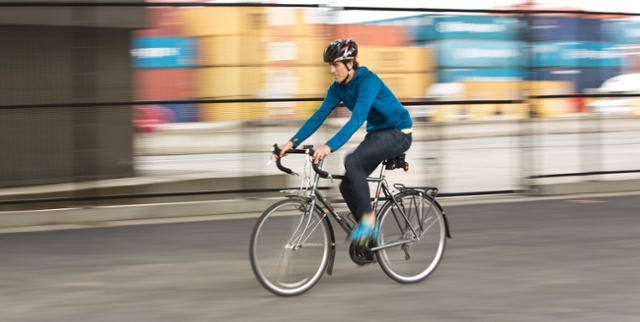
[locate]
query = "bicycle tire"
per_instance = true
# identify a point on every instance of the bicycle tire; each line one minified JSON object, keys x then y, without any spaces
{"x":276,"y":263}
{"x":411,"y":262}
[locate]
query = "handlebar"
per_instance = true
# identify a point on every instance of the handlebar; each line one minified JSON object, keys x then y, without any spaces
{"x":307,"y":150}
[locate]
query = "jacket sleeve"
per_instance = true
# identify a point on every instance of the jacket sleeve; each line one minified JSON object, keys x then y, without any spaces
{"x":329,"y":103}
{"x":367,"y":91}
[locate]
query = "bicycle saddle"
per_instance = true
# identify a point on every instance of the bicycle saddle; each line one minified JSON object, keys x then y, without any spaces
{"x":397,"y":163}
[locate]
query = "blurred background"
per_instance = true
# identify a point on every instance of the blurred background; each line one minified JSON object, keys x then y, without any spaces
{"x":182,"y":100}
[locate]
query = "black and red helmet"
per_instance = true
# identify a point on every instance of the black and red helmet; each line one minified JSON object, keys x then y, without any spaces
{"x":340,"y":50}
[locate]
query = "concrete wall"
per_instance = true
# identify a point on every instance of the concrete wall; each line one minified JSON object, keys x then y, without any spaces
{"x":59,"y":65}
{"x":85,"y":16}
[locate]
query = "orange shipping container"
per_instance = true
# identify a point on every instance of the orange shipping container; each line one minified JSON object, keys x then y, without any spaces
{"x":159,"y":84}
{"x":372,"y":35}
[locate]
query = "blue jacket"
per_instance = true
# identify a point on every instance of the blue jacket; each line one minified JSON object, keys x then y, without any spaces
{"x":368,"y":98}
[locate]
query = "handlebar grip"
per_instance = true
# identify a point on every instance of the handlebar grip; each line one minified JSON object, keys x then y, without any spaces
{"x":323,"y":174}
{"x":276,"y":151}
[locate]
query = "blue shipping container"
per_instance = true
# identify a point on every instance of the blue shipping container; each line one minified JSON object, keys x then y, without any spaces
{"x":564,"y":29}
{"x":184,"y":112}
{"x":480,"y":53}
{"x":164,"y":52}
{"x":469,"y":27}
{"x":452,"y":75}
{"x":621,"y":31}
{"x":576,"y":54}
{"x":583,"y":78}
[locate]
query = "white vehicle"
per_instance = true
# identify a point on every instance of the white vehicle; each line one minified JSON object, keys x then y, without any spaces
{"x":621,"y":84}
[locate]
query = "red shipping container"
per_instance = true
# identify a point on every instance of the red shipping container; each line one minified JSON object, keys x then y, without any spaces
{"x":372,"y":35}
{"x":161,"y":22}
{"x":161,"y":84}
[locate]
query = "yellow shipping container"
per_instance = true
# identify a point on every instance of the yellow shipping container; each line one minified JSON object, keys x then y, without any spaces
{"x":408,"y":85}
{"x":449,"y":113}
{"x":220,"y":21}
{"x":553,"y":107}
{"x":230,"y":82}
{"x":220,"y":112}
{"x":232,"y":50}
{"x":396,"y":59}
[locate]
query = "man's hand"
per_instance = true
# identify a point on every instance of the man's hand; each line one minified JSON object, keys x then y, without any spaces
{"x":283,"y":148}
{"x":321,"y":153}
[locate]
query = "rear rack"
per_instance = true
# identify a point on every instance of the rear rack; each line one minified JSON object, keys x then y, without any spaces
{"x":431,"y":191}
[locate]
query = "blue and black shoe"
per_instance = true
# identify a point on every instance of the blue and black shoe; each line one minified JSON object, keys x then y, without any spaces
{"x":365,"y":232}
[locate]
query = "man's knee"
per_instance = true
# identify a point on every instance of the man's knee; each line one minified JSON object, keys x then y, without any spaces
{"x":352,"y":162}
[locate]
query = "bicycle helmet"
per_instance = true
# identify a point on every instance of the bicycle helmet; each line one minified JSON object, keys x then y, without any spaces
{"x":340,"y":50}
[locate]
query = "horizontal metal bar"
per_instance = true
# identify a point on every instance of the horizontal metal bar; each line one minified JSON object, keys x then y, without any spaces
{"x":593,"y":173}
{"x":492,"y":11}
{"x":259,"y":4}
{"x":152,"y":4}
{"x":412,"y":102}
{"x":409,"y":102}
{"x":142,"y":195}
{"x":398,"y":243}
{"x":478,"y":193}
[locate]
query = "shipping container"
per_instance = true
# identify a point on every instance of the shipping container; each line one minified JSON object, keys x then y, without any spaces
{"x":452,"y":75}
{"x":221,"y":21}
{"x":184,"y":112}
{"x":408,"y":85}
{"x":621,"y":31}
{"x":371,"y":35}
{"x":290,"y":22}
{"x":479,"y":53}
{"x":396,"y":59}
{"x":230,"y":82}
{"x":221,"y":112}
{"x":564,"y":29}
{"x":161,"y":22}
{"x":576,"y":54}
{"x":299,"y":81}
{"x":289,"y":51}
{"x":164,"y":52}
{"x":232,"y":50}
{"x":470,"y":27}
{"x":581,"y":78}
{"x":161,"y":84}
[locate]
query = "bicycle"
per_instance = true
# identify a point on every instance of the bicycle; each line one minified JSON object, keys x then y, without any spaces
{"x":293,"y":242}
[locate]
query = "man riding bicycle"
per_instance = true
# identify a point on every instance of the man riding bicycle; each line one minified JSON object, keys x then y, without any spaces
{"x":389,"y":129}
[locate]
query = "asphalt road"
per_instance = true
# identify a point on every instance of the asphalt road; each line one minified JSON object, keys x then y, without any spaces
{"x":573,"y":259}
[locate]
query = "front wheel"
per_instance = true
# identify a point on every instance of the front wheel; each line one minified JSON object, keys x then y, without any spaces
{"x":417,"y":228}
{"x":290,"y":247}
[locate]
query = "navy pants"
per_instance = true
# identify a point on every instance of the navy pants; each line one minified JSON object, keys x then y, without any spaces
{"x":376,"y":147}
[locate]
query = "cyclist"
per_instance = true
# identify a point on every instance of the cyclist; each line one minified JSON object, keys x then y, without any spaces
{"x":389,"y":129}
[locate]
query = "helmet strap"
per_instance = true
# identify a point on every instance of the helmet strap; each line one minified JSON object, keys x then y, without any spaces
{"x":348,"y":74}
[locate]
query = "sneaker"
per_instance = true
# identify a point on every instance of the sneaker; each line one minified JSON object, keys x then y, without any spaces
{"x":364,"y":232}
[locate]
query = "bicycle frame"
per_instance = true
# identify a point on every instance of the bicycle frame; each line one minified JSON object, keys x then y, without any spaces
{"x":316,"y":196}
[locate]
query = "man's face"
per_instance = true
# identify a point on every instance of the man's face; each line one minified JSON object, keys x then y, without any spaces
{"x":340,"y":71}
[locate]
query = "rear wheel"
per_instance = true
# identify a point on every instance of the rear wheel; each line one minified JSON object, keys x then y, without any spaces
{"x":418,"y":251}
{"x":290,"y":247}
